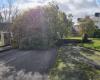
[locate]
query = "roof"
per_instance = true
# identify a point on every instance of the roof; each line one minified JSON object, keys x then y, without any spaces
{"x":5,"y":26}
{"x":97,"y":14}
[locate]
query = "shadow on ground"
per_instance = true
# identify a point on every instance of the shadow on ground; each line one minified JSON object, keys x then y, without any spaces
{"x":26,"y":65}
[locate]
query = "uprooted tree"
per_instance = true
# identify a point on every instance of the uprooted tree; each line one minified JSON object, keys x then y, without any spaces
{"x":39,"y":28}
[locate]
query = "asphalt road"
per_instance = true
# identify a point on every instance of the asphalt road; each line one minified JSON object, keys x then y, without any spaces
{"x":30,"y":61}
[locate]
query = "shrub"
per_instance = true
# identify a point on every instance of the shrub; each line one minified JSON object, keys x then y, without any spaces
{"x":97,"y":33}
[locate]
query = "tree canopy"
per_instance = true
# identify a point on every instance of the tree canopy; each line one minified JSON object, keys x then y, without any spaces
{"x":41,"y":26}
{"x":87,"y":26}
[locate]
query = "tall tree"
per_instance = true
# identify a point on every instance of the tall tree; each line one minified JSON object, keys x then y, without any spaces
{"x":87,"y":26}
{"x":9,"y":10}
{"x":62,"y":25}
{"x":45,"y":25}
{"x":51,"y":18}
{"x":70,"y":24}
{"x":59,"y":23}
{"x":1,"y":18}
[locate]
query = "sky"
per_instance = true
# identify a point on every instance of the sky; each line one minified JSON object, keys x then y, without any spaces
{"x":79,"y":8}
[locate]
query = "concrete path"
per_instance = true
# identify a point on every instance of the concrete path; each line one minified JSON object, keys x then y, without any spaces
{"x":5,"y":48}
{"x":30,"y":61}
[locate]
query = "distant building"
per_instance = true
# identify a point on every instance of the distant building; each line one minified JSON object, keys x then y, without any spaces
{"x":96,"y":18}
{"x":76,"y":28}
{"x":74,"y":31}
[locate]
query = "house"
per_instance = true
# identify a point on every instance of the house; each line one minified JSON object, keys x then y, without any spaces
{"x":5,"y":34}
{"x":75,"y":30}
{"x":96,"y":19}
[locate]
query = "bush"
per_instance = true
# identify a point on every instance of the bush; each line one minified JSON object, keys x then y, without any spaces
{"x":97,"y":33}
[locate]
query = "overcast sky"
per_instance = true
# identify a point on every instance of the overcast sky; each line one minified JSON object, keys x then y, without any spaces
{"x":78,"y":8}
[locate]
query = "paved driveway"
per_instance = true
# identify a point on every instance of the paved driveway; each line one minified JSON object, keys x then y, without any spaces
{"x":35,"y":61}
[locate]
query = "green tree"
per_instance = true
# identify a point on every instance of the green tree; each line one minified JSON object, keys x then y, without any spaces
{"x":70,"y":24}
{"x":59,"y":23}
{"x":41,"y":26}
{"x":62,"y":25}
{"x":87,"y":26}
{"x":1,"y":18}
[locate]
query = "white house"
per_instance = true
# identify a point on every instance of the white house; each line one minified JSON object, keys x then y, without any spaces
{"x":96,"y":18}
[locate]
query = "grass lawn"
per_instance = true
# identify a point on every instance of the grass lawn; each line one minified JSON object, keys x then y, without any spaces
{"x":94,"y":56}
{"x":94,"y":45}
{"x":75,"y":38}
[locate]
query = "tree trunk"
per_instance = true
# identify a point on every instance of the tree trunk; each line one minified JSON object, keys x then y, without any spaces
{"x":85,"y":37}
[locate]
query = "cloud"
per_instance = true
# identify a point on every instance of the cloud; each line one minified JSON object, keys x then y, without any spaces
{"x":26,"y":4}
{"x":77,"y":7}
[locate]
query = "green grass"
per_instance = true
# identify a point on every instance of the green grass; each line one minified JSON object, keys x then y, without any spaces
{"x":94,"y":45}
{"x":95,"y":56}
{"x":64,"y":64}
{"x":79,"y":38}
